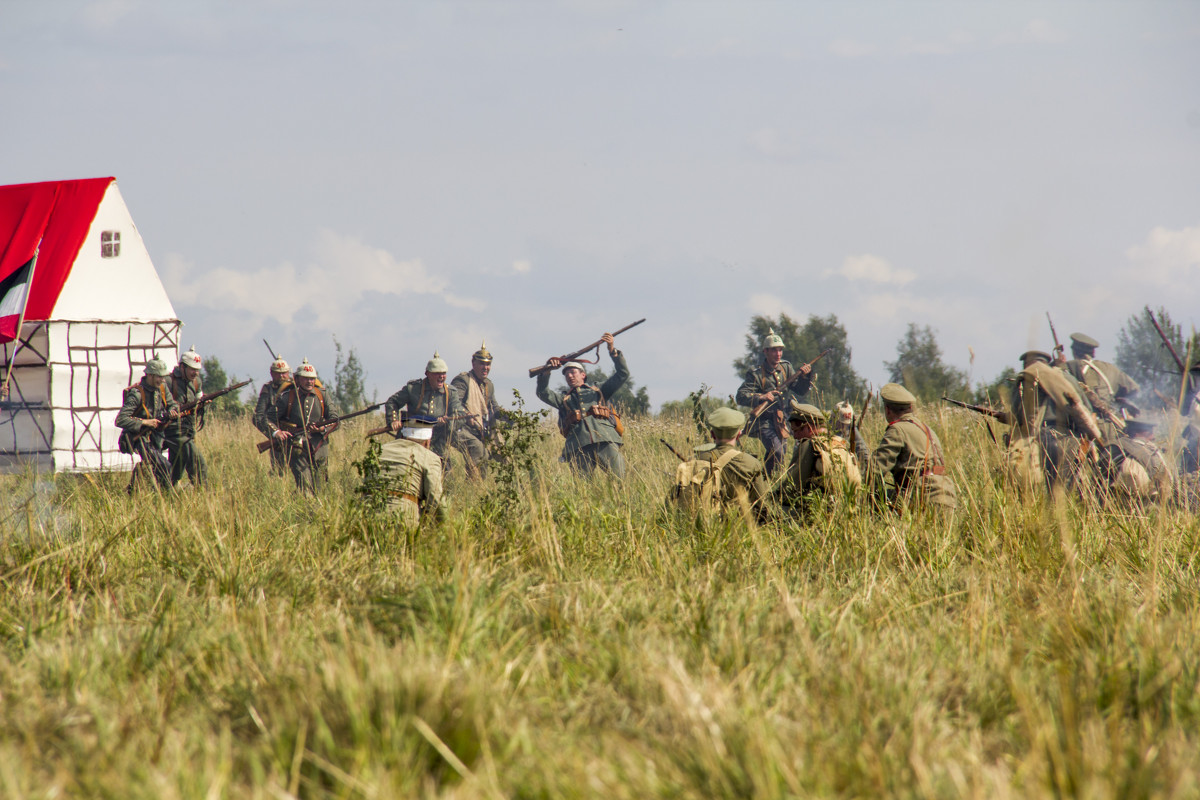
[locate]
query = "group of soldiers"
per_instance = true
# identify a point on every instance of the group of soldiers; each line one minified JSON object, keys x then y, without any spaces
{"x":1072,"y":420}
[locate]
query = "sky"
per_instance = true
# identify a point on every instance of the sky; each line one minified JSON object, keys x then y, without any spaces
{"x":412,"y":177}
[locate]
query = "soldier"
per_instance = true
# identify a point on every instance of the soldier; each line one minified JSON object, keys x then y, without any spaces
{"x":268,"y":397}
{"x":140,"y":419}
{"x":302,"y":420}
{"x":414,"y":472}
{"x":763,"y":390}
{"x":180,"y":435}
{"x":741,"y":484}
{"x":477,"y":396}
{"x":1052,"y":424}
{"x":427,"y":397}
{"x":821,"y":462}
{"x":592,"y":429}
{"x":911,"y":454}
{"x":1112,"y":386}
{"x":1139,"y":470}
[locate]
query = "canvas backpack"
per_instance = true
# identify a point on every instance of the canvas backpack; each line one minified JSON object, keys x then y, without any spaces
{"x":698,"y":486}
{"x":836,"y":459}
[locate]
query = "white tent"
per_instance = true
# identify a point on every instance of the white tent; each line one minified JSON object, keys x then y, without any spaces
{"x":96,"y":313}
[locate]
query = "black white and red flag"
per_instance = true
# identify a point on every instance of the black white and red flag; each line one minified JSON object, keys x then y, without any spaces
{"x":14,"y":295}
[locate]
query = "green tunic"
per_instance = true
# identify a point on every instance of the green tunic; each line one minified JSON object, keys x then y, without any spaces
{"x":295,"y":411}
{"x":912,"y":455}
{"x":761,"y":380}
{"x":817,"y":464}
{"x":743,"y":475}
{"x":142,"y":402}
{"x":577,"y":417}
{"x":417,"y":398}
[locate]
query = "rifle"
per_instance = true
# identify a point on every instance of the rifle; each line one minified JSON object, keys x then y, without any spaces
{"x":1170,"y":348}
{"x":1058,"y":348}
{"x":758,"y":410}
{"x":535,"y":371}
{"x":854,"y":422}
{"x":269,"y":350}
{"x":323,"y":427}
{"x":1102,"y":408}
{"x":674,"y":452}
{"x":188,"y":409}
{"x":388,"y":428}
{"x":995,"y":413}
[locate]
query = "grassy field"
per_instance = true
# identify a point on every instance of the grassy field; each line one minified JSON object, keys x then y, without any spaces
{"x":240,"y":641}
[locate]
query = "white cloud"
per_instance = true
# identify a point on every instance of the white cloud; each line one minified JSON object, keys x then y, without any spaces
{"x":521,"y":266}
{"x":105,"y":14}
{"x":345,"y":268}
{"x":1036,"y":31}
{"x":1168,"y":256}
{"x":851,"y":48}
{"x":768,"y":305}
{"x":956,"y":42}
{"x":872,"y":269}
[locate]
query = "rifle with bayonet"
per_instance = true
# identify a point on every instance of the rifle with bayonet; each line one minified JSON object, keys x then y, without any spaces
{"x":854,"y":422}
{"x":1102,"y":408}
{"x":805,"y":371}
{"x":1059,"y":353}
{"x":317,"y":428}
{"x":998,"y":414}
{"x":535,"y":371}
{"x":388,"y":428}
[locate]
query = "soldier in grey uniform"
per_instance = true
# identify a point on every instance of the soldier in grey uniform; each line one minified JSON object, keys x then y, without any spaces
{"x":765,"y":384}
{"x":911,"y":455}
{"x":427,"y":397}
{"x":585,"y":418}
{"x":477,"y":395}
{"x":141,"y":422}
{"x":268,"y":396}
{"x":302,"y":421}
{"x":414,"y":472}
{"x":180,"y":435}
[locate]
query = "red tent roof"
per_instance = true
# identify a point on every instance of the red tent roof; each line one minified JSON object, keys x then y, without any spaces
{"x":56,"y":215}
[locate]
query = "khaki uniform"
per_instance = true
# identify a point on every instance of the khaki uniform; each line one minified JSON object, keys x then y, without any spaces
{"x":180,"y":435}
{"x":1110,"y":385}
{"x":584,"y":419}
{"x":268,"y":397}
{"x":415,"y":480}
{"x":479,"y":398}
{"x":743,"y":481}
{"x":1142,"y":471}
{"x":306,"y":454}
{"x":770,"y":423}
{"x":819,"y":465}
{"x":417,"y":398}
{"x":143,"y":402}
{"x":1051,"y":422}
{"x":912,"y":455}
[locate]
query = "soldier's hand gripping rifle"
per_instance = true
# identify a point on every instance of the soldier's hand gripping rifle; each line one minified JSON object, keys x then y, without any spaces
{"x":388,"y":428}
{"x":1102,"y":408}
{"x":998,"y":414}
{"x":804,"y":371}
{"x":317,"y":428}
{"x":535,"y":371}
{"x":197,"y":405}
{"x":1059,"y":353}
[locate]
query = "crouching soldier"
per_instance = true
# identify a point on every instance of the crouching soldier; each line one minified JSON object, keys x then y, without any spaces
{"x":414,"y":473}
{"x":720,"y":478}
{"x":821,"y":462}
{"x":302,"y":421}
{"x":268,"y":398}
{"x":911,"y":456}
{"x":1139,"y":470}
{"x":145,"y":410}
{"x":180,"y":434}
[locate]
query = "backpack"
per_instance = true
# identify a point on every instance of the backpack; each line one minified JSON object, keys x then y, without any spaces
{"x":698,"y":486}
{"x":838,"y":461}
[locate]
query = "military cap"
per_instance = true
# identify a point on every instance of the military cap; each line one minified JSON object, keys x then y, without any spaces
{"x":807,"y":413}
{"x":573,"y":365}
{"x":306,"y":370}
{"x":482,"y":354}
{"x":1036,"y":355}
{"x":191,"y":359}
{"x":1083,"y":340}
{"x":281,"y":366}
{"x":436,"y":364}
{"x":772,"y":340}
{"x":1136,"y":426}
{"x":896,"y":395}
{"x":156,"y":366}
{"x":725,"y":422}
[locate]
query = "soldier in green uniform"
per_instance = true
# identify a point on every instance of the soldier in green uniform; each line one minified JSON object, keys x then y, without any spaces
{"x":821,"y":461}
{"x":742,"y":485}
{"x":765,"y":384}
{"x":1141,"y":471}
{"x":477,"y":396}
{"x":585,"y":418}
{"x":302,"y":420}
{"x":1113,"y":387}
{"x":911,"y":455}
{"x":180,"y":435}
{"x":268,"y":397}
{"x":143,"y":407}
{"x":427,"y":397}
{"x":414,"y":472}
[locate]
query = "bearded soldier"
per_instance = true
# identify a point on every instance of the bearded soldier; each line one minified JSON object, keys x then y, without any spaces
{"x":766,"y":384}
{"x":268,"y":397}
{"x":477,"y":395}
{"x":427,"y":397}
{"x":585,"y":419}
{"x":821,"y":461}
{"x":414,"y":473}
{"x":302,"y":420}
{"x":180,"y":435}
{"x":140,"y":420}
{"x":911,"y":454}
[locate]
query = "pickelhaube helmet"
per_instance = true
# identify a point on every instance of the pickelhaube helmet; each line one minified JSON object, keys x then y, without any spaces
{"x":772,"y":339}
{"x":191,"y":359}
{"x":306,"y":370}
{"x":281,"y":366}
{"x":482,"y":354}
{"x":436,"y":364}
{"x":156,"y":366}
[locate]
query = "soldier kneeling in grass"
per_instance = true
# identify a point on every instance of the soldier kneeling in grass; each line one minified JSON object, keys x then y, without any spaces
{"x":414,"y":473}
{"x":911,"y":455}
{"x":821,"y":462}
{"x":720,"y":478}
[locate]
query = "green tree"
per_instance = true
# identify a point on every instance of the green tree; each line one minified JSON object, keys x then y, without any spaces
{"x":629,"y":399}
{"x":995,"y":393}
{"x":834,"y":377}
{"x":920,"y":368}
{"x":212,"y":379}
{"x":1142,"y":355}
{"x":349,"y":390}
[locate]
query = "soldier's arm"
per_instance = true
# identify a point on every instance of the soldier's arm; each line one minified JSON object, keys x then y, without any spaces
{"x":395,"y":404}
{"x":431,"y":492}
{"x":125,"y":417}
{"x":260,"y":410}
{"x":883,"y":461}
{"x":619,"y":376}
{"x":748,"y":393}
{"x":458,"y":386}
{"x":545,"y":393}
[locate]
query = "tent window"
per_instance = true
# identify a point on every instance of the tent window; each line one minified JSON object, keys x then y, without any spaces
{"x":110,"y":244}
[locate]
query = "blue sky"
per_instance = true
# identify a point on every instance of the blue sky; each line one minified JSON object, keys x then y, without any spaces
{"x":421,"y":176}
